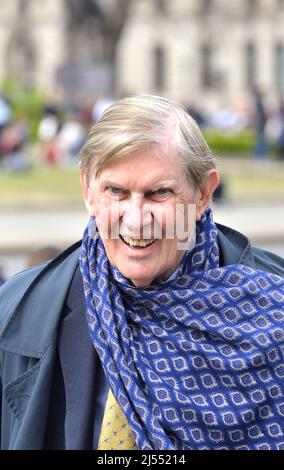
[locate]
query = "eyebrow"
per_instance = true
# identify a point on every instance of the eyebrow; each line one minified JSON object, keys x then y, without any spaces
{"x":171,"y":184}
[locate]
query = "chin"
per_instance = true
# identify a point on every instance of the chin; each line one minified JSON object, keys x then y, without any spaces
{"x":141,"y":283}
{"x":137,"y":279}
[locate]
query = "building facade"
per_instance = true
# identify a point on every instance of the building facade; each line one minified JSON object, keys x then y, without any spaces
{"x":204,"y":52}
{"x":32,"y":40}
{"x":57,"y":45}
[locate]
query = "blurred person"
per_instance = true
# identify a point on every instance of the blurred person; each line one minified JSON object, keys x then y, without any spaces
{"x":100,"y":106}
{"x":274,"y":130}
{"x":160,"y":329}
{"x":47,"y":134}
{"x":273,"y":127}
{"x":226,"y":119}
{"x":2,"y":280}
{"x":13,"y":141}
{"x":219,"y":194}
{"x":260,"y":118}
{"x":48,"y":128}
{"x":280,"y":138}
{"x":46,"y":253}
{"x":70,"y":139}
{"x":196,"y":114}
{"x":5,"y":113}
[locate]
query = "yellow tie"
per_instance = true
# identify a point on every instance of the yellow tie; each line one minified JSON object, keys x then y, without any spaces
{"x":115,"y":432}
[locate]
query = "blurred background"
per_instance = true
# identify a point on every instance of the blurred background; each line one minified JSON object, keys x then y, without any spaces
{"x":62,"y":62}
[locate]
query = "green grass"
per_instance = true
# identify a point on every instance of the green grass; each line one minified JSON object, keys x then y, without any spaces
{"x":245,"y":181}
{"x":250,"y":187}
{"x":40,"y":186}
{"x":228,"y":143}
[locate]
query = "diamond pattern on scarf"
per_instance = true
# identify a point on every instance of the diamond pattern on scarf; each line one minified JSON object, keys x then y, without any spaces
{"x":195,"y":362}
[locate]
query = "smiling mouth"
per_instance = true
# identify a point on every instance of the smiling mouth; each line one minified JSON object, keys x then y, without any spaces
{"x":137,"y":243}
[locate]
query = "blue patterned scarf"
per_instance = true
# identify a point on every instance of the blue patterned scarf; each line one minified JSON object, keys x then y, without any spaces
{"x":195,"y":362}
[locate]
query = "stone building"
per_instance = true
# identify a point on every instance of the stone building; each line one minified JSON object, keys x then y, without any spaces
{"x":32,"y":40}
{"x":61,"y":45}
{"x":206,"y":52}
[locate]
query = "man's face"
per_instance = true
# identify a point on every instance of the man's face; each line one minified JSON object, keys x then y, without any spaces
{"x":141,"y":207}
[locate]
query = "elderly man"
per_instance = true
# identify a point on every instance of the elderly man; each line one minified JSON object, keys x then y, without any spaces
{"x":160,"y":329}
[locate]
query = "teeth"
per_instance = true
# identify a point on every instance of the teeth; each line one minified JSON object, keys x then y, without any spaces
{"x":136,"y":242}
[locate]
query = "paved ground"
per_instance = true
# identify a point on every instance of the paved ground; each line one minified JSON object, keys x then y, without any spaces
{"x":34,"y":228}
{"x":263,"y":223}
{"x":25,"y":230}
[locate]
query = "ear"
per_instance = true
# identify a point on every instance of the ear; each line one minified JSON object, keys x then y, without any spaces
{"x":206,"y":191}
{"x":86,"y":191}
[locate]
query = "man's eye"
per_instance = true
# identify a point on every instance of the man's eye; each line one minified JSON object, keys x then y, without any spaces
{"x":161,"y":192}
{"x":114,"y":191}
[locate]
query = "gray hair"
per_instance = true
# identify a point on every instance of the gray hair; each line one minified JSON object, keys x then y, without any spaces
{"x":136,"y":122}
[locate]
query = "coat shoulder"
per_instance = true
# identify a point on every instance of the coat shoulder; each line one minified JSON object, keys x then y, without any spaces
{"x":268,"y":261}
{"x":39,"y":279}
{"x":235,"y":248}
{"x":13,"y":290}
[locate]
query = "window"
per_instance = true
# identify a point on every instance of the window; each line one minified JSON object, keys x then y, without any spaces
{"x":279,"y":67}
{"x":159,"y":68}
{"x":23,"y":6}
{"x":206,"y":6}
{"x":252,"y":7}
{"x":250,"y":66}
{"x":161,"y":6}
{"x":21,"y":58}
{"x":206,"y":66}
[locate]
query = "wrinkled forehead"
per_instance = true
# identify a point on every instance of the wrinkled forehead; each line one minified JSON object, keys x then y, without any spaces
{"x":143,"y":171}
{"x":164,"y":152}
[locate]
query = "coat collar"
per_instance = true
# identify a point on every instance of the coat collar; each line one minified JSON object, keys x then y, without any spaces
{"x":75,"y":295}
{"x":234,"y":247}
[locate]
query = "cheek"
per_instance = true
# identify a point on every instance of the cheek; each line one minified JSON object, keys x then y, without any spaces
{"x":185,"y":219}
{"x":177,"y":227}
{"x":111,"y":249}
{"x":164,"y":221}
{"x":174,"y":221}
{"x":92,"y":200}
{"x":107,"y":218}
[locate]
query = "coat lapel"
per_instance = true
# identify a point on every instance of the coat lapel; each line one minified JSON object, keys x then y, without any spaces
{"x":28,"y":398}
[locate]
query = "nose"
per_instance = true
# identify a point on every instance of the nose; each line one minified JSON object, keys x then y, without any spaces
{"x":136,"y":216}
